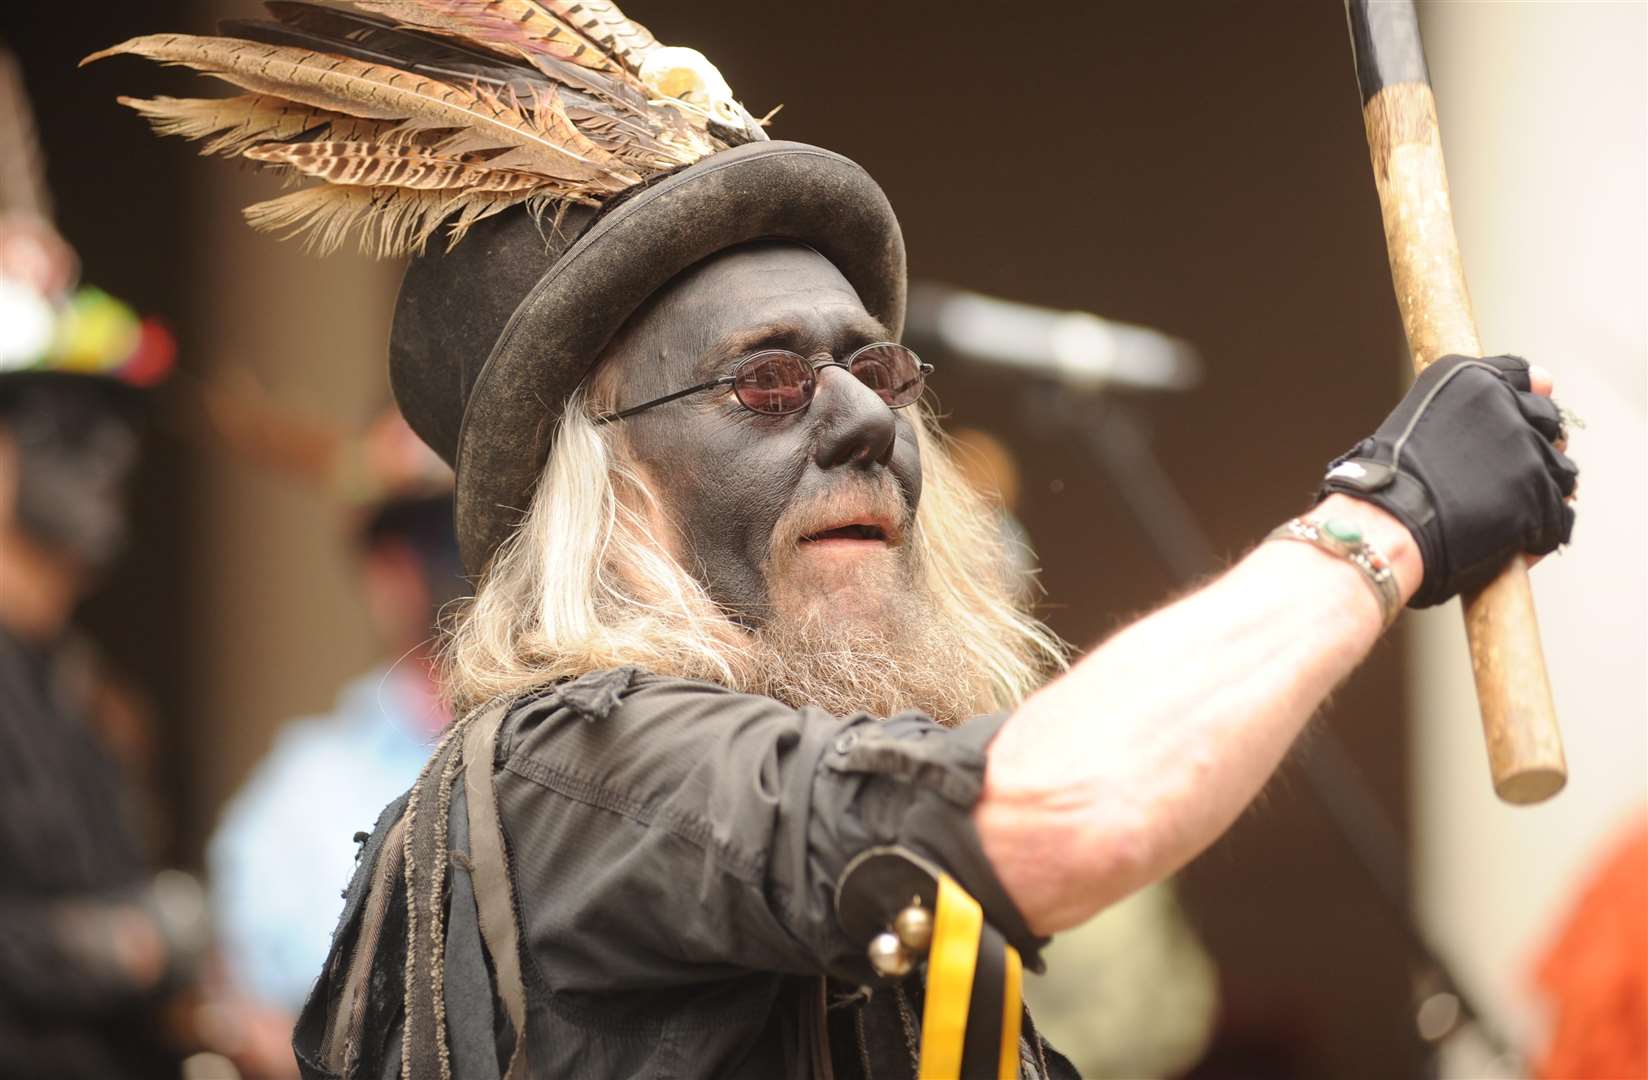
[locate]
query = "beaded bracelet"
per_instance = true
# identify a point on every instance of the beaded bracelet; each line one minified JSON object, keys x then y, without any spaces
{"x":1344,"y":539}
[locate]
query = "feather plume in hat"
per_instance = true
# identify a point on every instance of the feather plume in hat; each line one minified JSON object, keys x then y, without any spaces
{"x":419,"y":113}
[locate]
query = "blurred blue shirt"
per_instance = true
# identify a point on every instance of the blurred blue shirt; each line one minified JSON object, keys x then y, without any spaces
{"x":284,"y":848}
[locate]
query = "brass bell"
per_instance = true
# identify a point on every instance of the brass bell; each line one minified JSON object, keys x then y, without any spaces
{"x":914,"y":927}
{"x":889,"y":956}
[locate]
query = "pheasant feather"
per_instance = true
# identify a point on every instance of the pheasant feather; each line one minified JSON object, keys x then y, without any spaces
{"x":624,"y":40}
{"x":373,"y":165}
{"x":515,"y":25}
{"x":423,"y":114}
{"x":546,"y":138}
{"x":234,"y":124}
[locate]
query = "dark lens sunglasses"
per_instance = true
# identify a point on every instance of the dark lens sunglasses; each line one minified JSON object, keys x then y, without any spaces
{"x":775,"y":382}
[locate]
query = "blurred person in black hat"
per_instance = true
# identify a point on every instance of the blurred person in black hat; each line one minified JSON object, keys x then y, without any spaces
{"x":94,"y":946}
{"x":282,"y":852}
{"x":91,"y":943}
{"x":755,"y":774}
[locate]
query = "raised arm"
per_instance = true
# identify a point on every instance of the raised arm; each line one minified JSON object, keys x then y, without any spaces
{"x":1127,"y":767}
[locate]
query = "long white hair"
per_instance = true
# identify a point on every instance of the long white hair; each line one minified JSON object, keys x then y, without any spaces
{"x":582,"y":584}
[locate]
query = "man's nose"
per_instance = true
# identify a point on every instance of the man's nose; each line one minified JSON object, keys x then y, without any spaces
{"x":855,"y":427}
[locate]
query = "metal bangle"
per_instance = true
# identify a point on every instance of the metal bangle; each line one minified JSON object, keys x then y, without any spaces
{"x":1342,"y":538}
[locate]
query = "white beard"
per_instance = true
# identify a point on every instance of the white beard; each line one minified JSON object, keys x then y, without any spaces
{"x":874,"y":646}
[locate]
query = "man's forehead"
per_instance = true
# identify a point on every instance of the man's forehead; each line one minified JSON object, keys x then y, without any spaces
{"x":768,"y":271}
{"x":769,"y":294}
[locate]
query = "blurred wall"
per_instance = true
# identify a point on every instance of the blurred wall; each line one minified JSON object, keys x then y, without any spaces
{"x":1544,"y":109}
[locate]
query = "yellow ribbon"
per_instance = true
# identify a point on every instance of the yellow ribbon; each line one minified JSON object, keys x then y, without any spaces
{"x":1011,"y":1007}
{"x":952,"y":962}
{"x":957,"y":924}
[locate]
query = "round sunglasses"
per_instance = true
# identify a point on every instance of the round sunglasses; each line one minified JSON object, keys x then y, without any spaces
{"x":775,"y":382}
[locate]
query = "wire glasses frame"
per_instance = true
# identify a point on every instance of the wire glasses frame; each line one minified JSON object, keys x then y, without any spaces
{"x":776,"y":382}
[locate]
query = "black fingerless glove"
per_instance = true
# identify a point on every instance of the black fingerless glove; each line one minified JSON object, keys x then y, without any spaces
{"x":1466,"y":462}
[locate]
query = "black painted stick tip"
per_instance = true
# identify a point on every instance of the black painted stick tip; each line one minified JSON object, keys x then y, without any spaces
{"x":1385,"y":37}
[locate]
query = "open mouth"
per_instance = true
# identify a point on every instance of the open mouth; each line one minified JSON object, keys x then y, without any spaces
{"x":856,"y":531}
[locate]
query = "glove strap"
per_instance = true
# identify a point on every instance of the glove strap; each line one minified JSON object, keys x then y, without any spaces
{"x":1339,"y":537}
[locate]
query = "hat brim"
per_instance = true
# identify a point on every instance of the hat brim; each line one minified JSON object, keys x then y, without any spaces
{"x":124,"y":395}
{"x":765,"y":190}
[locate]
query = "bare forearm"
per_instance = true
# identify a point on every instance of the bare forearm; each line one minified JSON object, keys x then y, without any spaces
{"x":1118,"y":773}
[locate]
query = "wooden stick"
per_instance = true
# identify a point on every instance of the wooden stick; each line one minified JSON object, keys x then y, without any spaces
{"x":1399,"y":110}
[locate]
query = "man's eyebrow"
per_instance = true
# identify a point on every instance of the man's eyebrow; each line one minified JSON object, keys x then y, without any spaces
{"x":747,"y":339}
{"x":735,"y":343}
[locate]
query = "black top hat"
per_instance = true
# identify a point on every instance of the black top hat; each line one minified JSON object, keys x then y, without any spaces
{"x":492,"y":337}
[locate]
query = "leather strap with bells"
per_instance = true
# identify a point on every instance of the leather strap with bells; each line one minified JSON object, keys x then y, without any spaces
{"x":903,"y":908}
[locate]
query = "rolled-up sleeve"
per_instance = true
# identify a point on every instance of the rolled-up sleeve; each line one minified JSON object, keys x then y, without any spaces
{"x":681,"y":832}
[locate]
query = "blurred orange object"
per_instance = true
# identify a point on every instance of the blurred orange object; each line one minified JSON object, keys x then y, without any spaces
{"x":1596,"y":973}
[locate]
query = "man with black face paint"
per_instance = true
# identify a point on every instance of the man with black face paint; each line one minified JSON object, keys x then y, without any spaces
{"x":759,"y":770}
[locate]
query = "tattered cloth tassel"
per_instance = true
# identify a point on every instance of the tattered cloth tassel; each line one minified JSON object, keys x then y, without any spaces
{"x":446,"y":874}
{"x":465,"y":752}
{"x":424,"y":1052}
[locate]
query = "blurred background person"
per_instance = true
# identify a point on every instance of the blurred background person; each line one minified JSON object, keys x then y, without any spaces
{"x":95,"y":949}
{"x":1594,"y":972}
{"x":90,"y":943}
{"x":282,"y":854}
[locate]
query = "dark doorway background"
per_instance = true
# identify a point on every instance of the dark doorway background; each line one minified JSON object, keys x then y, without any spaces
{"x":1195,"y":167}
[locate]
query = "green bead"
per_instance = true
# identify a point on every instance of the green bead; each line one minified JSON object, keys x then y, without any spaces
{"x":1342,"y":531}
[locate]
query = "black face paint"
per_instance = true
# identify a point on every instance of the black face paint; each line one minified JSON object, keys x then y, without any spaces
{"x":727,"y":474}
{"x":77,"y":451}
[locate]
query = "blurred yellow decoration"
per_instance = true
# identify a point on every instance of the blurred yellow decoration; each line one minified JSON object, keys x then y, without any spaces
{"x":95,"y":333}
